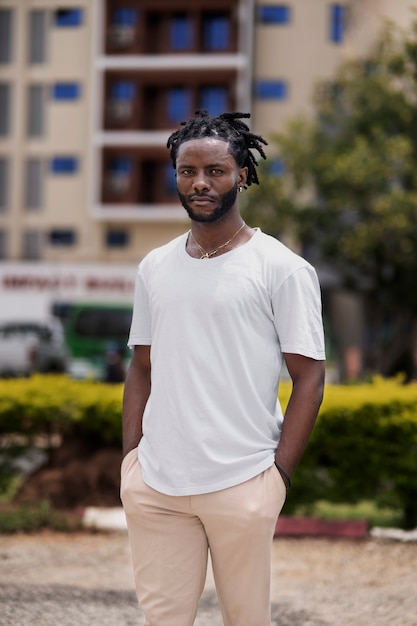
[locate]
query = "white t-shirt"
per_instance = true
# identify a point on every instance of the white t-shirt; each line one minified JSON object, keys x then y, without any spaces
{"x":217,"y":330}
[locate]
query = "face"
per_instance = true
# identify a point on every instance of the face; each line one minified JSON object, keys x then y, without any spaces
{"x":208,"y":178}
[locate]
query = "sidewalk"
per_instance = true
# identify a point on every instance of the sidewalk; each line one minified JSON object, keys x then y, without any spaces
{"x":86,"y":579}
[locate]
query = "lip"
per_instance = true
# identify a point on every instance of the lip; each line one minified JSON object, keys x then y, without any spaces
{"x":202,"y":200}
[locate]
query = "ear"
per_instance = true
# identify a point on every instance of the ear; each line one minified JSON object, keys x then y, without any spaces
{"x":243,"y":175}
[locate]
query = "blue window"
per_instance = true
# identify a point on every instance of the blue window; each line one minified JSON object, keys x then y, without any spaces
{"x":123,"y":90}
{"x":119,"y":174}
{"x":68,"y":17}
{"x":117,"y":238}
{"x":337,"y":22}
{"x":181,"y":33}
{"x":63,"y":237}
{"x":170,"y":179}
{"x":121,"y":165}
{"x":66,"y":91}
{"x":271,"y":90}
{"x":64,"y":165}
{"x":179,"y":104}
{"x":216,"y":33}
{"x":274,"y":14}
{"x":276,"y":167}
{"x":214,"y":99}
{"x":125,"y":17}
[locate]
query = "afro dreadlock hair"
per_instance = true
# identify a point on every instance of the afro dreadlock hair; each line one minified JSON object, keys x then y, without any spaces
{"x":227,"y":127}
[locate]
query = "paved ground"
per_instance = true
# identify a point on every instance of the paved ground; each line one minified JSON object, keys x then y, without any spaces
{"x":85,"y":579}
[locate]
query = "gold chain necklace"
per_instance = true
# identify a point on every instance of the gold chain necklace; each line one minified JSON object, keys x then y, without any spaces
{"x":208,"y":255}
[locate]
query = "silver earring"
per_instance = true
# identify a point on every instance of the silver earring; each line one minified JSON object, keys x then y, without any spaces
{"x":240,"y":189}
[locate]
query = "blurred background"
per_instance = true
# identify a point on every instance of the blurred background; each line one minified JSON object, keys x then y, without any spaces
{"x":89,"y":92}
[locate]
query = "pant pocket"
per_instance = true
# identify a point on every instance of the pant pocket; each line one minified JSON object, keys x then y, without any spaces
{"x":126,"y":470}
{"x":127,"y":457}
{"x":279,"y":488}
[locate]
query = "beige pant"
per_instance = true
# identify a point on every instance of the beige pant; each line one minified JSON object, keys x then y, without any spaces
{"x":170,"y":537}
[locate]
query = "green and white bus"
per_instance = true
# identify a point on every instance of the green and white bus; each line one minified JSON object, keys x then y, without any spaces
{"x":94,"y":333}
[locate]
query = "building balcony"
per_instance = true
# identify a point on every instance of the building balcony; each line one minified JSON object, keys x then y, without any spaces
{"x":134,"y":101}
{"x":156,"y":27}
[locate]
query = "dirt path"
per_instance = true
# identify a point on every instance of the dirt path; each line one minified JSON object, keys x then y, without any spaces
{"x":85,"y":579}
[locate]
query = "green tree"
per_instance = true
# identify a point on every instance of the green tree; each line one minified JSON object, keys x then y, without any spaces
{"x":349,"y":189}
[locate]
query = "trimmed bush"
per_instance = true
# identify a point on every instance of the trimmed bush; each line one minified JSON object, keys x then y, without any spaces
{"x":56,"y":404}
{"x":364,"y":445}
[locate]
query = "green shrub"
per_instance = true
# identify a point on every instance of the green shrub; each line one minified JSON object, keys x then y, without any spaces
{"x":32,"y":518}
{"x":56,"y":404}
{"x":364,"y":445}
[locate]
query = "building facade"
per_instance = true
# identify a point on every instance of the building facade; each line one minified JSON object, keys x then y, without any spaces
{"x":91,"y":89}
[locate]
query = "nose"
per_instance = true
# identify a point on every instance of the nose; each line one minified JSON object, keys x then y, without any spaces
{"x":200,"y":183}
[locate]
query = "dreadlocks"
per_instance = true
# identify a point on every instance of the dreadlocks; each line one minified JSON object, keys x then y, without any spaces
{"x":227,"y":127}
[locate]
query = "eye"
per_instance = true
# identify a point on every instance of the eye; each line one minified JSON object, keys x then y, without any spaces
{"x":217,"y":171}
{"x":185,"y":172}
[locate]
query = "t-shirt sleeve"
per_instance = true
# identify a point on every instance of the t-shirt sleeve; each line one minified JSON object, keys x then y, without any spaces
{"x":140,"y":330}
{"x":298,"y":314}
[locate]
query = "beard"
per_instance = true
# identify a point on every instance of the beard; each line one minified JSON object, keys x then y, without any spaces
{"x":226,"y":202}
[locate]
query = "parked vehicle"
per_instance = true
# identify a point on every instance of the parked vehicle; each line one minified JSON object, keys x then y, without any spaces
{"x":95,"y":334}
{"x":32,"y":346}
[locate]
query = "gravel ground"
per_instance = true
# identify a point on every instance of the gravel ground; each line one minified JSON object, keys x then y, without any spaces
{"x":85,"y":579}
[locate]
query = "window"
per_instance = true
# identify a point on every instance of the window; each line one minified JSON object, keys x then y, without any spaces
{"x":6,"y":32}
{"x":3,"y":244}
{"x":36,"y":111}
{"x":271,"y":90}
{"x":117,"y":238}
{"x":276,"y":167}
{"x":64,"y":165}
{"x":33,"y":183}
{"x":216,"y":32}
{"x":66,"y":91}
{"x":62,"y":237}
{"x":122,"y":97}
{"x":179,"y":104}
{"x":4,"y":109}
{"x":32,"y":245}
{"x":37,"y":37}
{"x":214,"y":99}
{"x":68,"y":17}
{"x":123,"y":25}
{"x":124,"y":17}
{"x":181,"y":35}
{"x":124,"y":90}
{"x":119,"y":174}
{"x":4,"y":179}
{"x":93,"y":321}
{"x":337,"y":22}
{"x":274,"y":14}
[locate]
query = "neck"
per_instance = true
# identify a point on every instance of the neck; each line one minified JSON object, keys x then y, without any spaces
{"x":208,"y":240}
{"x":214,"y":233}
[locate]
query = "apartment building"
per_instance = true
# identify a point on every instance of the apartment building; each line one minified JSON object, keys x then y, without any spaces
{"x":91,"y":89}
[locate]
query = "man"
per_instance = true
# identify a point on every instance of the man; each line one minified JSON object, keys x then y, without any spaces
{"x":208,"y":454}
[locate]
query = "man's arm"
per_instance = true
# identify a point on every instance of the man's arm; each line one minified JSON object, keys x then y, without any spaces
{"x":136,"y":394}
{"x":307,"y":393}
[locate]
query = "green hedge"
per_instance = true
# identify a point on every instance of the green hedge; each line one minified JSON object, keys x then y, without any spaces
{"x":48,"y":404}
{"x":364,"y":445}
